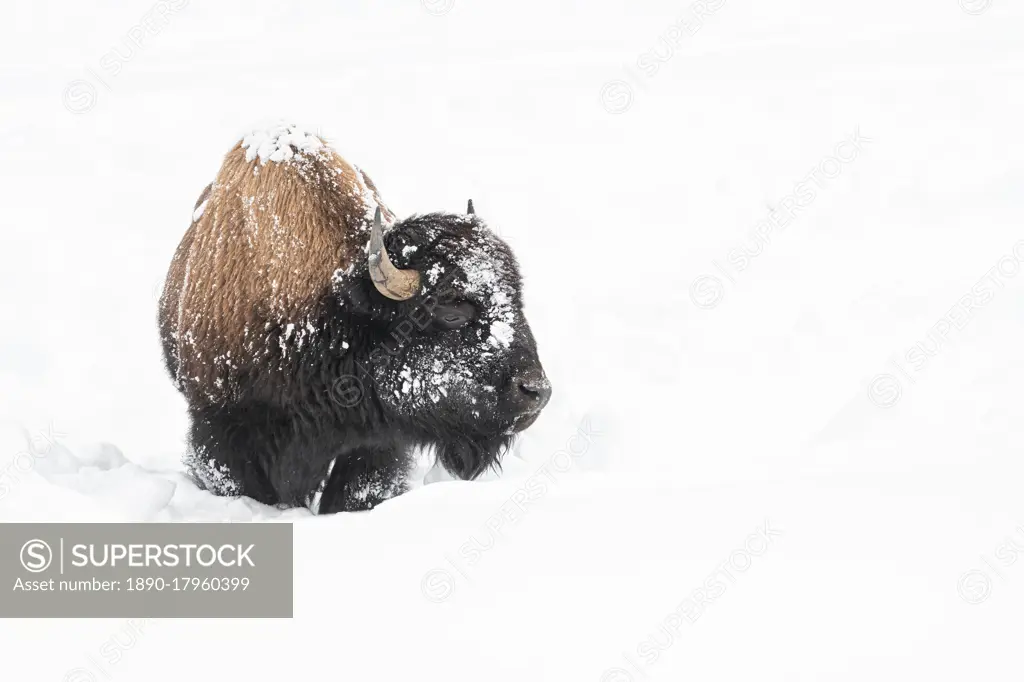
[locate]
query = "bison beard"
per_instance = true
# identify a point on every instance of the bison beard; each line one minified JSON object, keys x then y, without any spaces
{"x":323,"y":402}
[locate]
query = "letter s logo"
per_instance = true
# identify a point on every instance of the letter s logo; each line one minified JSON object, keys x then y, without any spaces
{"x":36,"y":556}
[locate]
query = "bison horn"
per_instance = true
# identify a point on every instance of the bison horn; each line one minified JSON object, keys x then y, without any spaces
{"x":471,"y":210}
{"x":398,"y":285}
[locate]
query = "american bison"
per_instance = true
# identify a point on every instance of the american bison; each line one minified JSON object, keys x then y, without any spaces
{"x":318,"y":341}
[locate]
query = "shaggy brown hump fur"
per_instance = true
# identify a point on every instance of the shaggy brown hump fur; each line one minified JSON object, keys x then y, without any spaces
{"x":268,"y":237}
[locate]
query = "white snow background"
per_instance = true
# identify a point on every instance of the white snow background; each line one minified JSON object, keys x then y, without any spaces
{"x":851,"y":389}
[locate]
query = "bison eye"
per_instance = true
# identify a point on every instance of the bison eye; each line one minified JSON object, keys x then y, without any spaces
{"x":454,"y":315}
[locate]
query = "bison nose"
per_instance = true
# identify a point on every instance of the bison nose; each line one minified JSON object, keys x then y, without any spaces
{"x":534,"y":391}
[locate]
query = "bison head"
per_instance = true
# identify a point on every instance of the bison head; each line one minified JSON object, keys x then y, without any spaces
{"x":453,"y":362}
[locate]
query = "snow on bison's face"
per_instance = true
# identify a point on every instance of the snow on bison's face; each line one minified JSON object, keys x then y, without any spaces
{"x":455,"y":356}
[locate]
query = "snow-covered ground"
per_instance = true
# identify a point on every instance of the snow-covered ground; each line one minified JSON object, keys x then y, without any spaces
{"x":773,"y":253}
